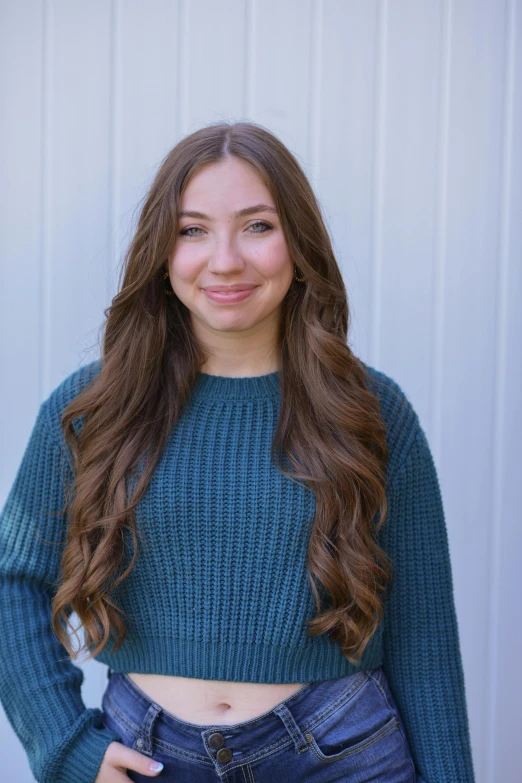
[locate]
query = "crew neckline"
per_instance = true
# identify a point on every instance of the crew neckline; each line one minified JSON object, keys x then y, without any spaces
{"x":226,"y":387}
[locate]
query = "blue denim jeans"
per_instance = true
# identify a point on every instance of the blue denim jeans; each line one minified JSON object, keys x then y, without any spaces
{"x":348,"y":729}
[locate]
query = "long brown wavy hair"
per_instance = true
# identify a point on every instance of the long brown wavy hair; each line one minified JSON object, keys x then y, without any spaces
{"x":330,"y":430}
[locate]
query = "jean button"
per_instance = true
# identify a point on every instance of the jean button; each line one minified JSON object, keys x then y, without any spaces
{"x":216,"y":740}
{"x":139,"y":742}
{"x":224,"y":755}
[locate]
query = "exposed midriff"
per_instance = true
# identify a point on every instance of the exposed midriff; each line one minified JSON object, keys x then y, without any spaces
{"x":211,"y":702}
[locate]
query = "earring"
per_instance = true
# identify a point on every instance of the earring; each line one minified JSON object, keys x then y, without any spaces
{"x":169,"y":292}
{"x":299,"y":279}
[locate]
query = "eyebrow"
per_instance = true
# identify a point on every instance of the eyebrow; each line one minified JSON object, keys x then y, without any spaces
{"x":240,"y":213}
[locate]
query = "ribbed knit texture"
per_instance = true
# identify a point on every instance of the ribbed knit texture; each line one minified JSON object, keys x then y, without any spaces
{"x":220,"y":589}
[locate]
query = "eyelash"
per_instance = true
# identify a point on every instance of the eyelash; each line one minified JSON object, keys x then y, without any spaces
{"x":257,"y":222}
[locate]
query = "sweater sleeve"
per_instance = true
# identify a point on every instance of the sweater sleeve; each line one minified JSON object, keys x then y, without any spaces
{"x":40,"y":688}
{"x":422,"y":657}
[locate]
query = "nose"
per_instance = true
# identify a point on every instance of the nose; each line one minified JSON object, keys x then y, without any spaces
{"x":225,"y":257}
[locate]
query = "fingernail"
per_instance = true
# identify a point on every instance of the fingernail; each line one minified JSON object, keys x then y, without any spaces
{"x":156,"y":766}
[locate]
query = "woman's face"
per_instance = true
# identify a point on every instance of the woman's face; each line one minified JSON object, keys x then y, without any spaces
{"x":218,"y":246}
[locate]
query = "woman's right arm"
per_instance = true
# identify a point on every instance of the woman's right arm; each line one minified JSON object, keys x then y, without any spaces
{"x":40,"y":687}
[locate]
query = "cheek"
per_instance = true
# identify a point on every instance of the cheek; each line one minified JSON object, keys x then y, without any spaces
{"x":184,"y":265}
{"x":274,"y":258}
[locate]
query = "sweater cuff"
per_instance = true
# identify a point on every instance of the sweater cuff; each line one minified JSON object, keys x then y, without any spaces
{"x":80,"y":760}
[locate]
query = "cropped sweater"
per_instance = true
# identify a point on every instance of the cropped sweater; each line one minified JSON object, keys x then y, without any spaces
{"x":221,"y":528}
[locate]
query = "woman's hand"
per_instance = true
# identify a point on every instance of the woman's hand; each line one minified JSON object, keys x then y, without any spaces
{"x":118,"y":758}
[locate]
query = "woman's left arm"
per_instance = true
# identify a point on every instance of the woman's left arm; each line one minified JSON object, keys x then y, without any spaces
{"x":422,"y":657}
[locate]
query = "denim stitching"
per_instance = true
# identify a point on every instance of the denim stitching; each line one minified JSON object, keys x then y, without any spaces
{"x":171,"y":750}
{"x":377,"y":681}
{"x":258,"y":757}
{"x":176,"y":752}
{"x":293,"y":729}
{"x":118,"y":715}
{"x":276,"y":746}
{"x":406,"y":747}
{"x":336,"y":703}
{"x":261,"y":754}
{"x":247,"y":773}
{"x":392,"y":724}
{"x":146,"y":730}
{"x":268,"y":750}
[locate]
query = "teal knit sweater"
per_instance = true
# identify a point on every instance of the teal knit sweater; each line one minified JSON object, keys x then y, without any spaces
{"x":221,"y":529}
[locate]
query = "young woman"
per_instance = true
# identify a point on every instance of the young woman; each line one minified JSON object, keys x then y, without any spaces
{"x":255,"y":542}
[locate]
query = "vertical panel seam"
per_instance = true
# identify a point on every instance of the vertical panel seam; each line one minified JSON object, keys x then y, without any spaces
{"x":378,"y":179}
{"x":114,"y":243}
{"x":314,"y":87}
{"x":441,"y":232}
{"x":248,"y":44}
{"x":44,"y":338}
{"x":183,"y":70}
{"x":500,"y":384}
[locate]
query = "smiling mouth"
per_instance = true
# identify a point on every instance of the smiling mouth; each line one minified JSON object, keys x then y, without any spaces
{"x":229,"y":289}
{"x":229,"y":297}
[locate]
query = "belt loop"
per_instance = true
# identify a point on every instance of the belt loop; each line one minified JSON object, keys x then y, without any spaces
{"x":291,"y":726}
{"x":144,"y":741}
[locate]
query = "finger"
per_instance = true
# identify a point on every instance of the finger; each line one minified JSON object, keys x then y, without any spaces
{"x":127,"y":758}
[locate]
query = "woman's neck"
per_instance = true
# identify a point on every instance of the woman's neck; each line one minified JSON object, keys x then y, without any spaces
{"x":234,"y":368}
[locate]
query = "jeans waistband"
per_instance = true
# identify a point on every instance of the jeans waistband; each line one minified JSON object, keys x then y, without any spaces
{"x":298,"y":713}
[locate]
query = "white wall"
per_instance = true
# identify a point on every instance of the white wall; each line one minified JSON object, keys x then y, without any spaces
{"x":407,"y":117}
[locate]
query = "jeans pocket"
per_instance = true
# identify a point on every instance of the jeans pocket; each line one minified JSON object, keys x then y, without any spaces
{"x":340,"y":742}
{"x":381,"y":682}
{"x":351,"y":726}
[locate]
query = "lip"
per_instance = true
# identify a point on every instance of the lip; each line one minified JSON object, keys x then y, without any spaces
{"x":235,"y":287}
{"x":230,"y":296}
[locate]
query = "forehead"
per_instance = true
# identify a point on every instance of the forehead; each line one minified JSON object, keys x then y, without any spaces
{"x":232,"y":183}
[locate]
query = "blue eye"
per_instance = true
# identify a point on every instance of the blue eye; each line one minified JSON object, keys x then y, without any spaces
{"x":266,"y":227}
{"x":261,"y":223}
